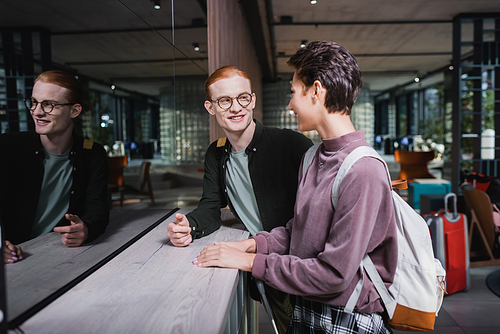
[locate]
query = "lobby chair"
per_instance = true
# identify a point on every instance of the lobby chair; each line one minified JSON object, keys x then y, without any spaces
{"x":144,"y":182}
{"x":414,"y":164}
{"x":481,"y":222}
{"x":115,"y":167}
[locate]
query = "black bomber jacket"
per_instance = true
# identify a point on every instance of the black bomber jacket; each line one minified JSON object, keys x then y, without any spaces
{"x":21,"y":176}
{"x":274,"y":157}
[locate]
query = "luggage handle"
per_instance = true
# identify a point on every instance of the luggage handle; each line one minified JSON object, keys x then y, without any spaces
{"x":455,"y":212}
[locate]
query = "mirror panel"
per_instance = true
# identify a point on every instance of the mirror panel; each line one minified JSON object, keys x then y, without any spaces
{"x":154,"y":110}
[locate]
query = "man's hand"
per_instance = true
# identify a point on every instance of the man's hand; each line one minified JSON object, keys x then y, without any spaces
{"x":75,"y":234}
{"x":179,"y":231}
{"x":12,"y":253}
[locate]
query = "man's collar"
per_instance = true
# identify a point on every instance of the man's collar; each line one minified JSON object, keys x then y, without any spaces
{"x":37,"y":142}
{"x":259,"y":129}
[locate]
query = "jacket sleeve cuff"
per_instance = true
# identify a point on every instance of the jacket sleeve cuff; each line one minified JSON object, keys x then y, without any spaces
{"x":259,"y":266}
{"x":196,"y":232}
{"x":261,"y":244}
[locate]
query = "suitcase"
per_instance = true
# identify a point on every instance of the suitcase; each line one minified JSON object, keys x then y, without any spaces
{"x":449,"y":234}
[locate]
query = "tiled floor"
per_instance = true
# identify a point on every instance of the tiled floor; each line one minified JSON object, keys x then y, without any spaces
{"x":476,"y":311}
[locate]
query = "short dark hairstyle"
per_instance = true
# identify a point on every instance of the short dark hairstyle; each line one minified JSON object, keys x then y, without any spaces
{"x":335,"y":67}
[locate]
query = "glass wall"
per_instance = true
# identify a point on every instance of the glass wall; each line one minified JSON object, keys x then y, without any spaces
{"x":276,"y":114}
{"x":476,"y":95}
{"x":184,"y":129}
{"x":415,"y":118}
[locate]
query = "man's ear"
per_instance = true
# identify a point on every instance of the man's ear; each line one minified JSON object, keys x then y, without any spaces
{"x":254,"y":101}
{"x":209,"y":107}
{"x":76,"y":110}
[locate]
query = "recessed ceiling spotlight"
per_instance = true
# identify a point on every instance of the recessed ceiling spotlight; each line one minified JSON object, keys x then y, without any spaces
{"x":450,"y":68}
{"x":196,"y":47}
{"x":113,"y":87}
{"x":157,"y":4}
{"x":303,"y":43}
{"x":417,"y":79}
{"x":313,"y":2}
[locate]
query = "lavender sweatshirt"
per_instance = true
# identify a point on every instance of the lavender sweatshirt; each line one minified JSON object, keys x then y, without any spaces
{"x":318,"y":253}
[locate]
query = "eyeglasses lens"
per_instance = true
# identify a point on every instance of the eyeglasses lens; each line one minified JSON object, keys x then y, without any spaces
{"x":225,"y":102}
{"x":46,"y":106}
{"x":31,"y":104}
{"x":244,"y":99}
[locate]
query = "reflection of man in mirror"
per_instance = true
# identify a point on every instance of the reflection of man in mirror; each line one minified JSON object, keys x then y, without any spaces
{"x":52,"y":179}
{"x":254,"y":170}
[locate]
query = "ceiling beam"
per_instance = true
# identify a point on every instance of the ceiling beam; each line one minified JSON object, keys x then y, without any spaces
{"x":252,"y":15}
{"x":156,"y":79}
{"x":291,"y":23}
{"x":119,"y":31}
{"x":272,"y":36}
{"x":203,"y":6}
{"x":408,"y":54}
{"x":135,"y":61}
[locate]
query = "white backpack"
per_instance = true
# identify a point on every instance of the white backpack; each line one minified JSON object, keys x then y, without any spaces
{"x":413,"y":300}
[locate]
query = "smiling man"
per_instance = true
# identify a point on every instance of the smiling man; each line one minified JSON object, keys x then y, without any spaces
{"x":52,"y":179}
{"x":253,"y":170}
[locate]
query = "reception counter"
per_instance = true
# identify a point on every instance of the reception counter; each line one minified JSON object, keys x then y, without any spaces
{"x":149,"y":286}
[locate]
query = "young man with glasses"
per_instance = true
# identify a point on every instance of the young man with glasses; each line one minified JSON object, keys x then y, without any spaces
{"x":52,"y":179}
{"x":254,"y":169}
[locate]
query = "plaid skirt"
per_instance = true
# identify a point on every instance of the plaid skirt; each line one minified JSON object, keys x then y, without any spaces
{"x":315,"y":317}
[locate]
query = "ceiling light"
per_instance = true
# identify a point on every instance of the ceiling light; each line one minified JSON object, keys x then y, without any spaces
{"x":157,"y":4}
{"x":303,"y":43}
{"x":313,"y":2}
{"x":450,"y":68}
{"x":196,"y":47}
{"x":113,"y":87}
{"x":417,"y":79}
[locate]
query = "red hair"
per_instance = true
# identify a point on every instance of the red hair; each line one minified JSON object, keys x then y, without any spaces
{"x":75,"y":92}
{"x":224,"y":72}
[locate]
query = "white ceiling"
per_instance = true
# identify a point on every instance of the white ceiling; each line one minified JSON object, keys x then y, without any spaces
{"x":129,"y":43}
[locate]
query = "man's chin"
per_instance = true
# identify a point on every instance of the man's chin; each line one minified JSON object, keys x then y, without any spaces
{"x":41,"y":130}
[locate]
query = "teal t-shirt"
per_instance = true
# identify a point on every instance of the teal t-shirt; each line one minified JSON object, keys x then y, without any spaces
{"x":53,"y":203}
{"x":240,"y":191}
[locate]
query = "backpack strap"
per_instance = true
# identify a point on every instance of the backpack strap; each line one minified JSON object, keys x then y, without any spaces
{"x":309,"y":156}
{"x":366,"y":263}
{"x":355,"y":155}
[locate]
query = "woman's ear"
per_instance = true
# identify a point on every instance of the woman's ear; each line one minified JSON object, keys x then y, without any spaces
{"x":319,"y":90}
{"x":209,"y":107}
{"x":76,"y":110}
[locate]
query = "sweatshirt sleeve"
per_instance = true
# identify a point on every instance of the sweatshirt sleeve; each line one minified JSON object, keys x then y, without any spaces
{"x":360,"y":224}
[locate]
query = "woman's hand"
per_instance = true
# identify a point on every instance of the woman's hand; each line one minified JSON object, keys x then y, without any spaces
{"x":247,"y":246}
{"x":226,"y":255}
{"x":12,"y":253}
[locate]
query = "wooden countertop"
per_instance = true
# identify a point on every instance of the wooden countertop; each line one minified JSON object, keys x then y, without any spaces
{"x":49,"y":266}
{"x":150,"y":287}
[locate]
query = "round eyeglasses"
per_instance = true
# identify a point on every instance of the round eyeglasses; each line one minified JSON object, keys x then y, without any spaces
{"x":47,"y":106}
{"x":226,"y":102}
